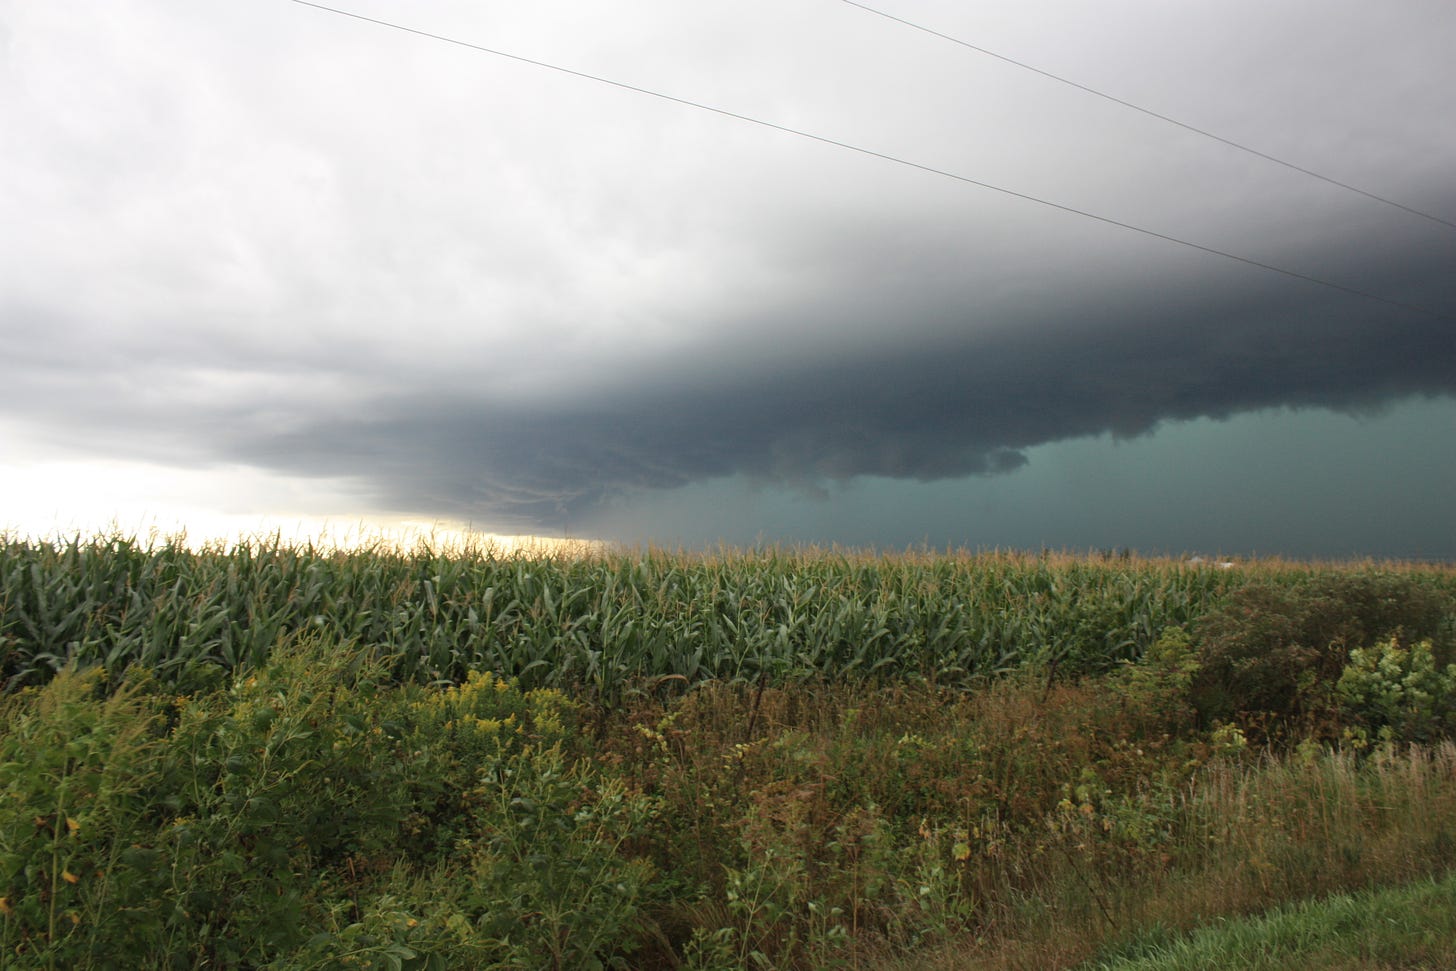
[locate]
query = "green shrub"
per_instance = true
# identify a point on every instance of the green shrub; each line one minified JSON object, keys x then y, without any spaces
{"x":1156,"y":688}
{"x":448,"y":734}
{"x":267,"y":787}
{"x":415,"y":925}
{"x":552,"y":883}
{"x":1272,"y":654}
{"x":76,"y":876}
{"x":1399,"y":692}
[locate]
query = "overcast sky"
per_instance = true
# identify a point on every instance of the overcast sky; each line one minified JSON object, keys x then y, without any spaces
{"x":264,"y":261}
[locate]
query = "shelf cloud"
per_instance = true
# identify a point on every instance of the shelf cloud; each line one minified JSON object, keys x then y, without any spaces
{"x":275,"y":238}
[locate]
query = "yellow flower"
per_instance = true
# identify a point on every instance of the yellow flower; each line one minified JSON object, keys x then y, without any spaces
{"x":69,"y":877}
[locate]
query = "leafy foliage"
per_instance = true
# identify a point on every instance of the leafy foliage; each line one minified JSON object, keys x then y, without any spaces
{"x":772,"y":762}
{"x":1272,"y":653}
{"x":1399,"y":692}
{"x":601,"y":627}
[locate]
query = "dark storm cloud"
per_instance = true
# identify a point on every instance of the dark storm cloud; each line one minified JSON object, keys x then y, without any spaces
{"x":268,"y":237}
{"x":959,"y":405}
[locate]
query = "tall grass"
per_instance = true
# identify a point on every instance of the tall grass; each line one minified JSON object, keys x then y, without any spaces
{"x":1240,"y":837}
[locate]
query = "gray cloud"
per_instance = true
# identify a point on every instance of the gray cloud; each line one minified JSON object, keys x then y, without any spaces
{"x":962,"y":404}
{"x":479,"y":290}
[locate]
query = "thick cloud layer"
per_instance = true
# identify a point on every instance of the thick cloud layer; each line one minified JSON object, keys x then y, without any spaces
{"x":960,"y":405}
{"x":481,"y":290}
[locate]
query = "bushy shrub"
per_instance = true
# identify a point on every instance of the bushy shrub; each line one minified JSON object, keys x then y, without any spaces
{"x":1399,"y":691}
{"x":551,"y":881}
{"x":76,"y":877}
{"x":385,"y":935}
{"x":267,"y":789}
{"x":449,"y":734}
{"x":308,"y":816}
{"x":1156,"y":688}
{"x":1273,"y":653}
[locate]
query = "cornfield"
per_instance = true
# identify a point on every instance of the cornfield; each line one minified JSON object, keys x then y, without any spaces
{"x":595,"y":624}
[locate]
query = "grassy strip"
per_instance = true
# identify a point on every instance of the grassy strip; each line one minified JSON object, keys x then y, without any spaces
{"x":1405,"y":927}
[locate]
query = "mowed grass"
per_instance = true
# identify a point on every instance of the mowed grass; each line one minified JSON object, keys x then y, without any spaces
{"x":1402,"y":928}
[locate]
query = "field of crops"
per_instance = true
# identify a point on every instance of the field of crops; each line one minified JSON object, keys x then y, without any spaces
{"x":598,"y":623}
{"x":306,"y":759}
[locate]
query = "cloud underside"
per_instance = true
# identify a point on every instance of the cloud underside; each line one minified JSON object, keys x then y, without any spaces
{"x":967,"y":402}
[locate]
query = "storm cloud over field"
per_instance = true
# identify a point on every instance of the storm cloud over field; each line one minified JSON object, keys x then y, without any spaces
{"x":268,"y":237}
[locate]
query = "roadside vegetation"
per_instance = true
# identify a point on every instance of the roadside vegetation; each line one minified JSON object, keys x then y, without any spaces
{"x":294,"y":758}
{"x":1407,"y":927}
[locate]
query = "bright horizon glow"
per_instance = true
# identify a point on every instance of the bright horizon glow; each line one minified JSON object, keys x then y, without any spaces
{"x":229,"y":532}
{"x":48,"y":500}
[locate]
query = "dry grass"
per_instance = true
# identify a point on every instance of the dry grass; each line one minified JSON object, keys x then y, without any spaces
{"x":1252,"y":836}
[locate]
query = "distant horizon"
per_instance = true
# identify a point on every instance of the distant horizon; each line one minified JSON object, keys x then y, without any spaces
{"x":447,"y":539}
{"x":1336,"y":494}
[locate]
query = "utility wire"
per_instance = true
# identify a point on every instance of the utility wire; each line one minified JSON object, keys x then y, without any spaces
{"x":1293,"y":274}
{"x":1150,"y":113}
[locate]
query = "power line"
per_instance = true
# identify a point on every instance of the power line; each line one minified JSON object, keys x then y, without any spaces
{"x":1152,"y":114}
{"x":1293,"y":274}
